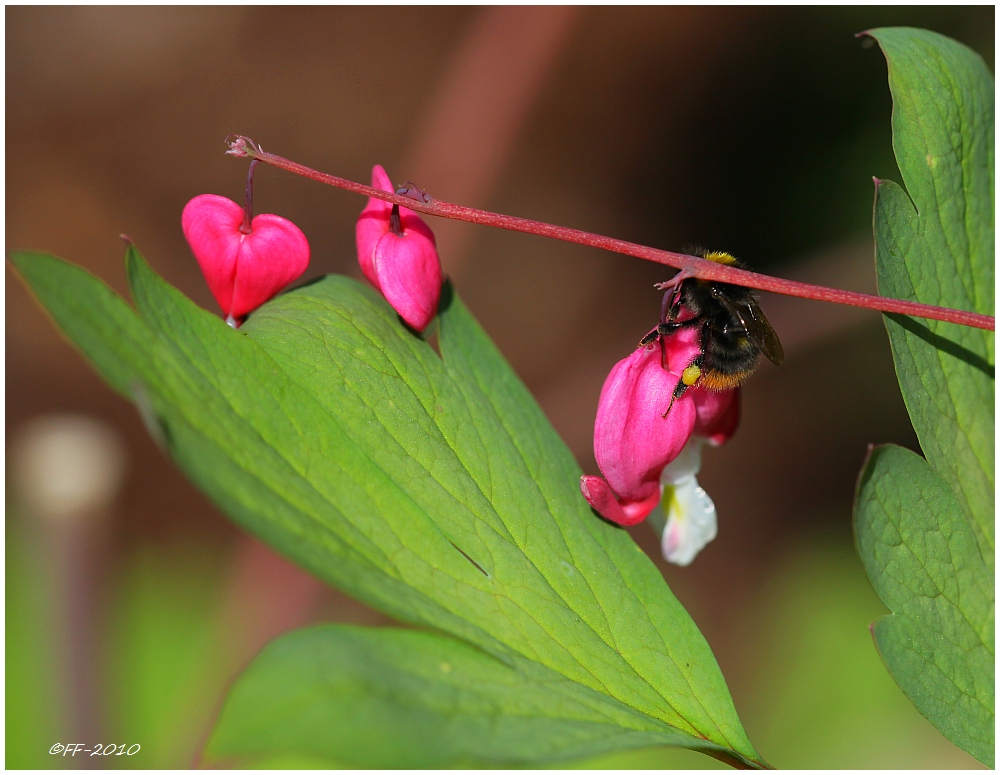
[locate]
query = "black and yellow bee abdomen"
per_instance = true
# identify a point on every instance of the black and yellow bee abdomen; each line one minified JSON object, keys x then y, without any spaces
{"x":728,"y":358}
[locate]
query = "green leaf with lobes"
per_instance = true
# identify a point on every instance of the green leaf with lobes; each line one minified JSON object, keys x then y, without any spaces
{"x":921,"y":556}
{"x":925,"y":528}
{"x":934,"y":244}
{"x":431,"y":487}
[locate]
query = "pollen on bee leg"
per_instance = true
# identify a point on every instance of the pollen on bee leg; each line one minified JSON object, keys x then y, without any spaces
{"x":690,"y":375}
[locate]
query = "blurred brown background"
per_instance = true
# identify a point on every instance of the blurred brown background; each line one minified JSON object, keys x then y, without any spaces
{"x":755,"y":131}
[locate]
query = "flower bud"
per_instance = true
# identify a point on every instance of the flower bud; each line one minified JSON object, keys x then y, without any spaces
{"x":397,"y":254}
{"x":633,"y":440}
{"x":244,"y":266}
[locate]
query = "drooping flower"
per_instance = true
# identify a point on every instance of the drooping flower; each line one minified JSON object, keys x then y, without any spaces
{"x":398,"y":255}
{"x":633,"y":440}
{"x":244,"y":264}
{"x":647,"y":457}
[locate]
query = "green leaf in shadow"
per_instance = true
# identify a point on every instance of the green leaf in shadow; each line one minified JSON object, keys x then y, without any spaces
{"x":392,"y":698}
{"x":923,"y":560}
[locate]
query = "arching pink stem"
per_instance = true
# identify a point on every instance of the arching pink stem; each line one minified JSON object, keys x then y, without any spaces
{"x":696,"y":267}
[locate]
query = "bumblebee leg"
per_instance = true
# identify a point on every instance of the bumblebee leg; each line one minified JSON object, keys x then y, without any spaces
{"x":665,"y":306}
{"x":663,"y":331}
{"x":689,"y":378}
{"x":650,"y":337}
{"x":670,"y":328}
{"x":672,"y":295}
{"x":678,"y":392}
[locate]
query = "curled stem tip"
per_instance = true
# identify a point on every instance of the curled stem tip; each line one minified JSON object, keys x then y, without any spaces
{"x":242,"y":147}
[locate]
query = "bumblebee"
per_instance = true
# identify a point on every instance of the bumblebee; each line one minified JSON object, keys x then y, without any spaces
{"x":734,"y":331}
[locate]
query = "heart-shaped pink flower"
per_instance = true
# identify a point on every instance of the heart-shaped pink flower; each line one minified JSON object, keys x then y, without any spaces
{"x":400,"y":259}
{"x":243,"y":270}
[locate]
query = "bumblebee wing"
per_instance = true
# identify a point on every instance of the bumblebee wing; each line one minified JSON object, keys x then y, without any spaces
{"x":758,"y":329}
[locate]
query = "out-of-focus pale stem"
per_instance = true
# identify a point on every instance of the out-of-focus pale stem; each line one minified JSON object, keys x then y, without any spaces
{"x":67,"y":471}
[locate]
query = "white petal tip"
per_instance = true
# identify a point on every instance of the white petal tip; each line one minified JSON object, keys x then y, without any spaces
{"x":691,"y":521}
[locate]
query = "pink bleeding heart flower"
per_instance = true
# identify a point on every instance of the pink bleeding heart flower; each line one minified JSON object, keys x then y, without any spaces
{"x":633,"y":440}
{"x":398,"y":255}
{"x":648,"y":459}
{"x":245,"y":262}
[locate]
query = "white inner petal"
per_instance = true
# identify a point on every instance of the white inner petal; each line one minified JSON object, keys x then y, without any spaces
{"x":686,"y":465}
{"x":691,"y":521}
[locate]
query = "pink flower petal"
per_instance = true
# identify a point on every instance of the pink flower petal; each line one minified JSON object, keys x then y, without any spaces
{"x":272,"y":256}
{"x":372,"y":224}
{"x":380,"y":180}
{"x":718,"y":414}
{"x":409,"y":275}
{"x":600,"y":496}
{"x":406,"y":267}
{"x":682,"y":348}
{"x":633,"y":441}
{"x":211,"y":225}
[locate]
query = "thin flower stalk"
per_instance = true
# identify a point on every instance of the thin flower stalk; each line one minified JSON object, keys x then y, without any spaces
{"x":693,"y":266}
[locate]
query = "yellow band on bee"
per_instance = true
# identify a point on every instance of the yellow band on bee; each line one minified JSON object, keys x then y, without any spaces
{"x":690,"y":375}
{"x":720,"y":258}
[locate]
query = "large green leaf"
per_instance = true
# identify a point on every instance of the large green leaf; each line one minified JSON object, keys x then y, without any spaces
{"x":389,"y":698}
{"x":431,"y":487}
{"x":921,"y":555}
{"x":934,"y":244}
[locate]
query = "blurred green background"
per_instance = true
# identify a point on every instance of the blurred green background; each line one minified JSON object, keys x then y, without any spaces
{"x":753,"y":130}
